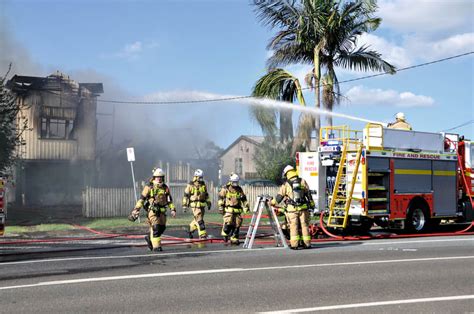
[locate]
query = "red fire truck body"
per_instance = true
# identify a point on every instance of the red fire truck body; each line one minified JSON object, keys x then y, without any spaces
{"x":398,"y":178}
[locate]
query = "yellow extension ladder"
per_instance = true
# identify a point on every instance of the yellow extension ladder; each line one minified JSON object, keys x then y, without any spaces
{"x":341,"y":196}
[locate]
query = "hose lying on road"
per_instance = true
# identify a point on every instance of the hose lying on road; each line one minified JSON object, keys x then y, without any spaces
{"x":186,"y":241}
{"x":391,"y":236}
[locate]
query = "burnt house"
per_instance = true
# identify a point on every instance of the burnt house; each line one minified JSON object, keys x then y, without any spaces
{"x":57,"y":158}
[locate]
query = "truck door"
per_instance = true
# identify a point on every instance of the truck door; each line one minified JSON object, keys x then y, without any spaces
{"x":308,"y":169}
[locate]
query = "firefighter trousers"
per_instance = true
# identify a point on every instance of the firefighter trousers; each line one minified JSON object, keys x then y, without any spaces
{"x":198,"y":221}
{"x":231,"y":226}
{"x":157,"y":222}
{"x":299,"y":228}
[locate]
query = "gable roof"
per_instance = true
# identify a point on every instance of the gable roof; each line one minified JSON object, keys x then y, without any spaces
{"x":256,"y":140}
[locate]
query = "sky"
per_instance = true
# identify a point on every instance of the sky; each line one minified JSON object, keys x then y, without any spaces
{"x":206,"y":49}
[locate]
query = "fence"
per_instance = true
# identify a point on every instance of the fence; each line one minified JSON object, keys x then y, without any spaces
{"x":177,"y":172}
{"x":118,"y":202}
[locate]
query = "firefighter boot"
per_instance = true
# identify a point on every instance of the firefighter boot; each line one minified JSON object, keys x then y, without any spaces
{"x":202,"y":230}
{"x":190,"y":234}
{"x":226,"y":231}
{"x":148,"y":242}
{"x":235,"y":236}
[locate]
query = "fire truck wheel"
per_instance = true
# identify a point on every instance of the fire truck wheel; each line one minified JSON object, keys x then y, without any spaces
{"x":417,"y":219}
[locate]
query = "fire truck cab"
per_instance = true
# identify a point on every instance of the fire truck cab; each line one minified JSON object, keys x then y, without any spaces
{"x":394,"y":178}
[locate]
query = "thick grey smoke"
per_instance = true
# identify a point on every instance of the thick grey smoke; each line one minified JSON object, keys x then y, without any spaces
{"x":169,"y":133}
{"x":14,"y":53}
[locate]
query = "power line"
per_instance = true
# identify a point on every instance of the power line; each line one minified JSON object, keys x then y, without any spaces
{"x":408,"y":68}
{"x":249,"y":96}
{"x":461,"y":125}
{"x":174,"y":102}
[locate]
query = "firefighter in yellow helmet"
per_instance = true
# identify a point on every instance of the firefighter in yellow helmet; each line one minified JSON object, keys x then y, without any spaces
{"x":197,"y":198}
{"x":155,"y":199}
{"x":400,"y":123}
{"x":232,"y":202}
{"x":295,"y":194}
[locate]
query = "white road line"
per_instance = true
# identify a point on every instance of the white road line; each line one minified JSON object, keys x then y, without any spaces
{"x":212,"y":252}
{"x":228,"y":270}
{"x":357,"y":305}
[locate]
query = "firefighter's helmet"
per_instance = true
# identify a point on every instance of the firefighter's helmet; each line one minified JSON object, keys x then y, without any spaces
{"x":286,"y":169}
{"x":234,"y":177}
{"x":198,"y":173}
{"x":400,"y":116}
{"x":158,"y":172}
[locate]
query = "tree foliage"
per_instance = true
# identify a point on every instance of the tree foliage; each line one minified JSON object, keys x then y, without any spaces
{"x":271,"y":157}
{"x":320,"y":33}
{"x":10,"y":133}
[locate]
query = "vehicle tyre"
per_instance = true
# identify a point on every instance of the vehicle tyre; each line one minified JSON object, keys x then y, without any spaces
{"x":366,"y":225}
{"x":417,"y":219}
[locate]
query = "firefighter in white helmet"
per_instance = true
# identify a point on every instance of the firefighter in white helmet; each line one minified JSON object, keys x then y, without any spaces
{"x":232,"y":202}
{"x":196,"y":197}
{"x":295,"y":194}
{"x":155,"y":199}
{"x":400,"y":122}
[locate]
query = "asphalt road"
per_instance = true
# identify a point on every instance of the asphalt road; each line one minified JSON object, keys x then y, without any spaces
{"x":399,"y":275}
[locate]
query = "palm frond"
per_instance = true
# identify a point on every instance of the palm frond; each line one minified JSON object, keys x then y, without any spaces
{"x":278,"y":84}
{"x":364,"y":60}
{"x":276,"y":13}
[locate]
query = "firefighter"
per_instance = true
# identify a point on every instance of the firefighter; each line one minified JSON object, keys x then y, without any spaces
{"x":400,"y":122}
{"x":232,"y":202}
{"x":294,"y":193}
{"x":155,"y":199}
{"x":197,"y":198}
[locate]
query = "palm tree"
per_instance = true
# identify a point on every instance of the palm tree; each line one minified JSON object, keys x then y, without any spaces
{"x":321,"y":33}
{"x":281,"y":85}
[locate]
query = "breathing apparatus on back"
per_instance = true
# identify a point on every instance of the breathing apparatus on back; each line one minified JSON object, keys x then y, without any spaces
{"x":295,"y":182}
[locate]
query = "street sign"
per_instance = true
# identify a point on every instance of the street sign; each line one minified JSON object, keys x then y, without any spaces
{"x":130,"y":154}
{"x":131,"y":159}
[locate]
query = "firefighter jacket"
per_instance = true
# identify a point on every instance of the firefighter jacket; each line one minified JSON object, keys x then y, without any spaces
{"x":400,"y":124}
{"x":295,"y":195}
{"x":156,"y":197}
{"x":232,"y":199}
{"x":196,"y":195}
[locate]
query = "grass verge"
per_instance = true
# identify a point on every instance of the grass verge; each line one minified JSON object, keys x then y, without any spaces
{"x":115,"y":223}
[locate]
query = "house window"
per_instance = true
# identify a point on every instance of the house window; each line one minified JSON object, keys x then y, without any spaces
{"x":56,"y":128}
{"x":238,"y":166}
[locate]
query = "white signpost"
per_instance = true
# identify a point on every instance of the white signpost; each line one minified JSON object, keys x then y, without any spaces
{"x":131,"y":159}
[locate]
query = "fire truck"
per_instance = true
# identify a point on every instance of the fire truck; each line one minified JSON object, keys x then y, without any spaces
{"x":394,"y":178}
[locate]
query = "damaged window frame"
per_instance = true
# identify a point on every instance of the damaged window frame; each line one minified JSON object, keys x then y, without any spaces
{"x":56,"y":126}
{"x":63,"y":129}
